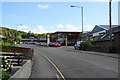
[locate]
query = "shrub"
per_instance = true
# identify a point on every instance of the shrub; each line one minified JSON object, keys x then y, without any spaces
{"x":86,"y":44}
{"x":6,"y":65}
{"x":4,"y":75}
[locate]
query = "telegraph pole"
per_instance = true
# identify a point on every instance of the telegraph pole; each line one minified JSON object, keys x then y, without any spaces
{"x":110,"y":23}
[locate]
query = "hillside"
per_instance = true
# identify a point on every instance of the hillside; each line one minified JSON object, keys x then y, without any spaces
{"x":14,"y":35}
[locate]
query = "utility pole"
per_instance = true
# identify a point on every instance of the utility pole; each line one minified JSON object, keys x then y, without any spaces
{"x":110,"y":23}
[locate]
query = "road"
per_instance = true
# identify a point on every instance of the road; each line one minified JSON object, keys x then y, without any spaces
{"x":71,"y":64}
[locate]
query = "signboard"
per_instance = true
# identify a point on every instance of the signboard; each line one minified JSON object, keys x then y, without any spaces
{"x":48,"y":39}
{"x":31,"y":37}
{"x":48,"y":36}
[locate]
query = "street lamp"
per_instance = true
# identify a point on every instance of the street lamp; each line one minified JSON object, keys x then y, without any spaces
{"x":81,"y":14}
{"x":16,"y":32}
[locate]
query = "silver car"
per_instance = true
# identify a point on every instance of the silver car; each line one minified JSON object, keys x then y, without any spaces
{"x":77,"y":45}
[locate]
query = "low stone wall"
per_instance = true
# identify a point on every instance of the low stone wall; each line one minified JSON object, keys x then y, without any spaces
{"x":99,"y":48}
{"x":23,"y":72}
{"x":29,"y":55}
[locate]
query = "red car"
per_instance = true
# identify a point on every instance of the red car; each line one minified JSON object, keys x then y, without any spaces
{"x":62,"y":43}
{"x":56,"y":44}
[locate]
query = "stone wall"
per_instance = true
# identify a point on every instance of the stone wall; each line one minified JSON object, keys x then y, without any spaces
{"x":117,"y":42}
{"x":23,"y":72}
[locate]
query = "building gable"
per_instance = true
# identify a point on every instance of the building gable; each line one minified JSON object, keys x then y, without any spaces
{"x":97,"y":29}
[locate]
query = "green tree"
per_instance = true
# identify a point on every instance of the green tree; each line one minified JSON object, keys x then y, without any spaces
{"x":18,"y":38}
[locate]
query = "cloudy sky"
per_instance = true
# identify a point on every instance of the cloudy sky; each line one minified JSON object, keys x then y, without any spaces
{"x":44,"y":17}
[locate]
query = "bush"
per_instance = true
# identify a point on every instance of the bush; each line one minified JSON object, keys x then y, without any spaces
{"x":4,"y":75}
{"x":86,"y":44}
{"x":6,"y":65}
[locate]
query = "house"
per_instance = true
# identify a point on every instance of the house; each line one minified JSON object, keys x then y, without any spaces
{"x":104,"y":40}
{"x":100,"y":30}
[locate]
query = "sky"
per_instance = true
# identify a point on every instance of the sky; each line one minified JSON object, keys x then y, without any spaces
{"x":47,"y":17}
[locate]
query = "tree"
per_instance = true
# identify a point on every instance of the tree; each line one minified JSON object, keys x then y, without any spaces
{"x":18,"y":38}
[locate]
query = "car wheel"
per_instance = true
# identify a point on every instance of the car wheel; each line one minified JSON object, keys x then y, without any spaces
{"x":75,"y":47}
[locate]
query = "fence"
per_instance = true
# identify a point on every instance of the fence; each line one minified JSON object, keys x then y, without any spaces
{"x":17,"y":54}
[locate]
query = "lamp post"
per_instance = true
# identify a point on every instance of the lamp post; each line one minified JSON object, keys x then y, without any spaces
{"x":16,"y":32}
{"x":81,"y":14}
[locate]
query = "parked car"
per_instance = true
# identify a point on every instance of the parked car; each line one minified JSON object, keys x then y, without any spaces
{"x":50,"y":44}
{"x":56,"y":44}
{"x":38,"y":43}
{"x":33,"y":42}
{"x":42,"y":43}
{"x":62,"y":43}
{"x":26,"y":42}
{"x":77,"y":45}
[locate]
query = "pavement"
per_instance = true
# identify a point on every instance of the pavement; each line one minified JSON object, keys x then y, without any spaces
{"x":113,"y":55}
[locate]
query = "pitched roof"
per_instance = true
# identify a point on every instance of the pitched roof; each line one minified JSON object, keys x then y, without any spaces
{"x":99,"y":28}
{"x":107,"y":36}
{"x":107,"y":26}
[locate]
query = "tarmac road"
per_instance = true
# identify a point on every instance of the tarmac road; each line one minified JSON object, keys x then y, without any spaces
{"x":72,"y":64}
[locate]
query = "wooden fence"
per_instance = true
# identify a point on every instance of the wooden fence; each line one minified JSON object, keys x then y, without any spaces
{"x":17,"y":54}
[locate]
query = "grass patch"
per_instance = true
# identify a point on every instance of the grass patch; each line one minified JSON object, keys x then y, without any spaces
{"x":7,"y":44}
